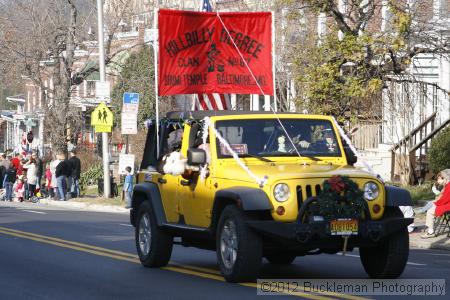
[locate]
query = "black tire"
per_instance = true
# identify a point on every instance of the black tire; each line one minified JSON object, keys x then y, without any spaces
{"x":387,"y":260}
{"x":280,"y":258}
{"x":160,"y":245}
{"x":248,"y":251}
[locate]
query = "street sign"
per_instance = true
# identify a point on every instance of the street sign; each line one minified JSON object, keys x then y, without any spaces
{"x":102,"y":118}
{"x":129,"y":123}
{"x":130,"y":103}
{"x":126,"y":160}
{"x":103,"y":91}
{"x":130,"y":98}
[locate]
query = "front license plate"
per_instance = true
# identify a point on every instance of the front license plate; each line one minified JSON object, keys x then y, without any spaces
{"x":344,"y":227}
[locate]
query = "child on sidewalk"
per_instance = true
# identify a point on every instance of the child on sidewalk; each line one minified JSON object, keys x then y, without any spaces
{"x":128,"y":186}
{"x":48,"y":181}
{"x":20,"y":188}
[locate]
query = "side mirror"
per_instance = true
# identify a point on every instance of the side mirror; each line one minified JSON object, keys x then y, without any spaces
{"x":351,"y":157}
{"x":196,"y":157}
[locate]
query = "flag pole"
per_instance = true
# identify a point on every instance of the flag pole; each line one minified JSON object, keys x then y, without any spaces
{"x":275,"y":105}
{"x":155,"y":62}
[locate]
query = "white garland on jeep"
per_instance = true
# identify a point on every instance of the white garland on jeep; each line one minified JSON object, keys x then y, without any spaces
{"x":206,"y":125}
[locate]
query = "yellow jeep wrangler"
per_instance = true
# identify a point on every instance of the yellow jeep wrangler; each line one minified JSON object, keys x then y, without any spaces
{"x":254,"y":185}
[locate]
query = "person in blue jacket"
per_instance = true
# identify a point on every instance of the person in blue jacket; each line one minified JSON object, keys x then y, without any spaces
{"x":128,"y":186}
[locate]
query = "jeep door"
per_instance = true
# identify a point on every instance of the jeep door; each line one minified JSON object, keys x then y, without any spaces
{"x":194,"y":191}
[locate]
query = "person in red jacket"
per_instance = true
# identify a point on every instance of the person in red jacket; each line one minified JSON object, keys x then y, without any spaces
{"x":15,"y":161}
{"x":441,"y":205}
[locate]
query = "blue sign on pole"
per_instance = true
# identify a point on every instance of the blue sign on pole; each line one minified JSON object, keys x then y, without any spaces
{"x":130,"y":98}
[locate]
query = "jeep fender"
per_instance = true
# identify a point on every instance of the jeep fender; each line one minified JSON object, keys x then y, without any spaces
{"x":396,"y":196}
{"x":247,"y":199}
{"x":147,"y":191}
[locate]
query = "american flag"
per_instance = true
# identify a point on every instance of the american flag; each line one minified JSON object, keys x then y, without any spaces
{"x":211,"y":101}
{"x":206,"y":6}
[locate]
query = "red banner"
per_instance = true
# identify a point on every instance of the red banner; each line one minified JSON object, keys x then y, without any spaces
{"x":197,"y":54}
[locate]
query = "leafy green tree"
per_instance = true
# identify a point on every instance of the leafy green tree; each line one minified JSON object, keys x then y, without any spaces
{"x":344,"y":71}
{"x":439,"y":154}
{"x":137,"y":76}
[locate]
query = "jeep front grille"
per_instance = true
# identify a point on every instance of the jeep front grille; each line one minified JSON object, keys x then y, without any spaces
{"x":306,"y":191}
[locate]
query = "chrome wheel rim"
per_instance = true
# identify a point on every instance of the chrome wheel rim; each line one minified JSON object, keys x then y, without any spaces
{"x":228,"y":244}
{"x":145,"y":234}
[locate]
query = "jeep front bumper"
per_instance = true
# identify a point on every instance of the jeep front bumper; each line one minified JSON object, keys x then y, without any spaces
{"x":317,"y":235}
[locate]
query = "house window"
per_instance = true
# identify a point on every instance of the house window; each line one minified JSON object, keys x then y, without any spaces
{"x":90,"y":89}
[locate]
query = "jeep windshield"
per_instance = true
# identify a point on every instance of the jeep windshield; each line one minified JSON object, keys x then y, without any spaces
{"x":266,"y":137}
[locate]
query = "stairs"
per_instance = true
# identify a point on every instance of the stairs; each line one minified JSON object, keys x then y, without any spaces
{"x":409,"y":163}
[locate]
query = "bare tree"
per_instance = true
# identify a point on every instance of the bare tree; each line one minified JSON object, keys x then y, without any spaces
{"x":39,"y":41}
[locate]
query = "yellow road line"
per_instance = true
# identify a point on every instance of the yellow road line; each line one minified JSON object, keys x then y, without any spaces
{"x":124,"y":256}
{"x":46,"y":241}
{"x":206,"y":270}
{"x":69,"y":242}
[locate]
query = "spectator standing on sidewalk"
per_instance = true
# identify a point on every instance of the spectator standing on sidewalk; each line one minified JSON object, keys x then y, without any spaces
{"x":53,"y":166}
{"x":31,"y":177}
{"x":8,"y":182}
{"x":440,"y":205}
{"x":128,"y":186}
{"x":62,"y":169}
{"x":39,"y":168}
{"x":4,"y":164}
{"x":75,"y":171}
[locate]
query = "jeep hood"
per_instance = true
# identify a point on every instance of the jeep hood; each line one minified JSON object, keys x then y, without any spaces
{"x":276,"y":172}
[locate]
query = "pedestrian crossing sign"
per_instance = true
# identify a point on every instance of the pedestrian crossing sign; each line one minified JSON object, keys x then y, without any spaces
{"x":102,"y":118}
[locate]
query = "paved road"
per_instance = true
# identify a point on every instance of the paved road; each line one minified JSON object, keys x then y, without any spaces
{"x":50,"y":253}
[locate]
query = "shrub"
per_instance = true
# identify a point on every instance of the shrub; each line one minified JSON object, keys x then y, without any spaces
{"x":421,"y":192}
{"x":91,"y":176}
{"x":439,"y":154}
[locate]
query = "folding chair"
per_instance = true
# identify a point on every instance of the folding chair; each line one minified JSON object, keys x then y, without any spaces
{"x":442,"y":224}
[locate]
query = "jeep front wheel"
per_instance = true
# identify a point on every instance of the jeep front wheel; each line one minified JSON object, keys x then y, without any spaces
{"x":239,"y":249}
{"x":387,"y":260}
{"x":154,"y":246}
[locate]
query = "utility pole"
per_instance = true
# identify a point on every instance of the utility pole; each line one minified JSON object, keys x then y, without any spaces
{"x":105,"y":139}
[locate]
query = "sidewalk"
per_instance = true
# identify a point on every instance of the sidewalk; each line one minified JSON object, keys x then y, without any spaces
{"x":415,"y":241}
{"x":79,"y":204}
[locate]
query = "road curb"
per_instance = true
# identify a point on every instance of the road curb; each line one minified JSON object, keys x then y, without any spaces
{"x":441,"y":242}
{"x":85,"y":206}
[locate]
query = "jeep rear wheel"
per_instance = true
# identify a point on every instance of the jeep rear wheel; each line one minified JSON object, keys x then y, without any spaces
{"x":154,"y":246}
{"x":387,"y":260}
{"x":280,"y":258}
{"x":239,"y":249}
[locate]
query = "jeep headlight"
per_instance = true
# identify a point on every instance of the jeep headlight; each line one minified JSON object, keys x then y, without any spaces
{"x":371,"y":190}
{"x":281,"y":192}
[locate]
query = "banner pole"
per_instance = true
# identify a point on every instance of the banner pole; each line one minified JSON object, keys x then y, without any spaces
{"x":275,"y":100}
{"x":155,"y":62}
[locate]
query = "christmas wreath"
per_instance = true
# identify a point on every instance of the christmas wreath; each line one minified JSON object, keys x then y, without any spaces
{"x":341,"y":199}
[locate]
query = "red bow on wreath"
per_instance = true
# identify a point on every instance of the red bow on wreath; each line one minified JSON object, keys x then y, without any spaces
{"x":336,"y":183}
